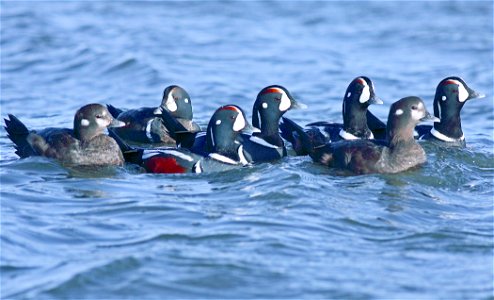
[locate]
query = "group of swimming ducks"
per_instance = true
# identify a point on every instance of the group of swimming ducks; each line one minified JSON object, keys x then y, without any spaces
{"x":171,"y":142}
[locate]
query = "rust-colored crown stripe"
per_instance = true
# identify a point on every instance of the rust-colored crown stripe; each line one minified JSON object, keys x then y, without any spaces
{"x":361,"y":81}
{"x":272,"y":90}
{"x":230,"y":107}
{"x":450,"y":81}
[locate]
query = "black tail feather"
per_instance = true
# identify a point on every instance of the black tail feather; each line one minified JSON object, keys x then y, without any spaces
{"x":177,"y":131}
{"x":303,"y":142}
{"x":18,"y":134}
{"x":132,"y":155}
{"x":377,"y":126}
{"x":115,"y":112}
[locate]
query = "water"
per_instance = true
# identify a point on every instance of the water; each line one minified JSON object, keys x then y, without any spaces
{"x":291,"y":229}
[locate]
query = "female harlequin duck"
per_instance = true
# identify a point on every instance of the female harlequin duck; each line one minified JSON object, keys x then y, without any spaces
{"x":85,"y":145}
{"x":144,"y":125}
{"x":225,"y":152}
{"x":358,"y":96}
{"x":265,"y":144}
{"x":451,"y":94}
{"x":397,"y":153}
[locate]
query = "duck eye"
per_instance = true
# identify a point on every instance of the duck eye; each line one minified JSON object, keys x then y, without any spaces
{"x":99,"y":116}
{"x":277,"y":99}
{"x":175,"y":98}
{"x":415,"y":107}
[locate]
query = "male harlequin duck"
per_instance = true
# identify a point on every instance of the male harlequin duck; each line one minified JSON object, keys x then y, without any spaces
{"x":397,"y":153}
{"x":85,"y":145}
{"x":265,"y":144}
{"x":225,"y":152}
{"x":451,"y":94}
{"x":358,"y":96}
{"x":144,"y":125}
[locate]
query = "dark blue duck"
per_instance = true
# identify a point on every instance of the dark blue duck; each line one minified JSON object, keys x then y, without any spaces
{"x":84,"y":145}
{"x":265,"y":143}
{"x":451,"y":94}
{"x":145,"y":126}
{"x":221,"y":138}
{"x":399,"y":152}
{"x":358,"y":96}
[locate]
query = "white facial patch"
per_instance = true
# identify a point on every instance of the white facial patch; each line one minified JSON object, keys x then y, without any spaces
{"x":399,"y":112}
{"x":186,"y":100}
{"x":102,"y":122}
{"x":349,"y":94}
{"x":170,"y":103}
{"x":264,"y":105}
{"x":418,"y":114}
{"x":285,"y":103}
{"x":365,"y":96}
{"x":462,"y":93}
{"x":218,"y":122}
{"x":239,"y":122}
{"x":443,"y":98}
{"x":84,"y":122}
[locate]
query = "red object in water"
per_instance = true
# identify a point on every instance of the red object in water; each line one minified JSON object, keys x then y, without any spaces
{"x":159,"y":164}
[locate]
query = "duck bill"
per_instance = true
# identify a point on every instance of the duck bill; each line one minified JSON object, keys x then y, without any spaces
{"x":375,"y":100}
{"x":474,"y":95}
{"x":297,"y":105}
{"x":116,"y":123}
{"x":429,"y":117}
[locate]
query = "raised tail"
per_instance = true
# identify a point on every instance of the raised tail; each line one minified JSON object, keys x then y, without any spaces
{"x":377,"y":126}
{"x":303,"y":142}
{"x":115,"y":112}
{"x":18,"y":133}
{"x":177,"y":131}
{"x":131,"y":154}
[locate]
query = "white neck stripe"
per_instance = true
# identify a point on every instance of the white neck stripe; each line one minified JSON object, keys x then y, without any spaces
{"x":262,"y":142}
{"x":348,"y":136}
{"x":222,"y":158}
{"x":243,"y":160}
{"x":150,"y":153}
{"x":445,"y":138}
{"x":148,"y":130}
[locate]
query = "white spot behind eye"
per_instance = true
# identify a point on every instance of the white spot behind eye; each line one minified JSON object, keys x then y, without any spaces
{"x":443,"y":98}
{"x":420,"y":105}
{"x":170,"y":103}
{"x":349,"y":94}
{"x":399,"y":112}
{"x":239,"y":122}
{"x":285,"y":103}
{"x":264,"y":105}
{"x":84,"y":122}
{"x":365,"y":96}
{"x":186,"y":100}
{"x":218,"y":122}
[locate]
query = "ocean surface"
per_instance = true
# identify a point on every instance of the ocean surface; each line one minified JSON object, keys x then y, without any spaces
{"x":290,"y":229}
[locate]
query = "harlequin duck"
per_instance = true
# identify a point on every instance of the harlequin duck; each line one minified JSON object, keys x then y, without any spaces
{"x":144,"y":125}
{"x":225,"y":152}
{"x":358,"y":96}
{"x":85,"y":145}
{"x":265,"y":144}
{"x":397,"y":153}
{"x":451,"y":94}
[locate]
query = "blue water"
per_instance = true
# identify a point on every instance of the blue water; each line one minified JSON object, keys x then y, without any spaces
{"x":291,"y":229}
